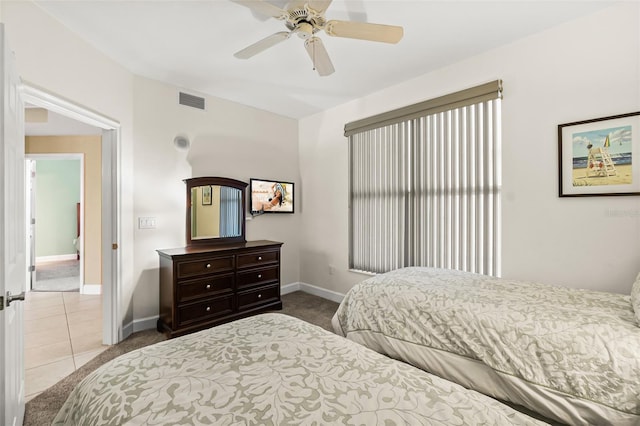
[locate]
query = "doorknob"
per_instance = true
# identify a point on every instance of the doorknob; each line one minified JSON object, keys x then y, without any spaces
{"x":11,"y":298}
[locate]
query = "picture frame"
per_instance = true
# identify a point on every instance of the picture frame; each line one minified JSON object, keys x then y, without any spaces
{"x":595,"y":157}
{"x":265,"y":196}
{"x":206,"y":195}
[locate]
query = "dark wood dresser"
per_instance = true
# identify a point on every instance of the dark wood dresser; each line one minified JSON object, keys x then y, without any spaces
{"x":206,"y":285}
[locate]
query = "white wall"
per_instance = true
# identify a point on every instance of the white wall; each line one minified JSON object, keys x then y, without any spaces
{"x":227,"y":139}
{"x":584,"y":69}
{"x":51,"y":57}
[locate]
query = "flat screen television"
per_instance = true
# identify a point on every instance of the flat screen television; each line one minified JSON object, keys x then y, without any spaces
{"x":271,"y":196}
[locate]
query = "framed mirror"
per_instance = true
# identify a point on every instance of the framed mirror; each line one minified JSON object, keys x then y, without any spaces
{"x":215,"y":210}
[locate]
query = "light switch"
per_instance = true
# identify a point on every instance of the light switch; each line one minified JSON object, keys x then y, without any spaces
{"x":146,"y":223}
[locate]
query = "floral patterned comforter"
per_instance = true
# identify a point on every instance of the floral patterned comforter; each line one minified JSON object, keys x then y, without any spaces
{"x":271,"y":369}
{"x":583,"y":344}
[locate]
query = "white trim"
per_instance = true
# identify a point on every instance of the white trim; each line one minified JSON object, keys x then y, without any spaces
{"x":40,"y":97}
{"x":111,"y":216}
{"x":94,"y":289}
{"x":142,"y":324}
{"x":111,"y":265}
{"x":56,"y":258}
{"x":334,"y":296}
{"x":289,"y":288}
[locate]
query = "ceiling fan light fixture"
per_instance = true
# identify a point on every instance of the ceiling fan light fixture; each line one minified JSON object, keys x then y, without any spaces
{"x":306,"y":18}
{"x":304,"y":30}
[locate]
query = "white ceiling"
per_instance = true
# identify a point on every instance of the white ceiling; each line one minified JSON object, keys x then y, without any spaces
{"x":190,"y":44}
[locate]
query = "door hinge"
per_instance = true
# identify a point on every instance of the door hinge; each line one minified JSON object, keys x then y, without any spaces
{"x":114,"y":246}
{"x":1,"y":303}
{"x":31,"y":268}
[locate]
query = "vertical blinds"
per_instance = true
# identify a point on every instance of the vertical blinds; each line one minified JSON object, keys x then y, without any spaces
{"x":425,"y":187}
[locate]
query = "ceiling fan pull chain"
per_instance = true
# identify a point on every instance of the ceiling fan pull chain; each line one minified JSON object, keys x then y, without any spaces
{"x":313,"y":47}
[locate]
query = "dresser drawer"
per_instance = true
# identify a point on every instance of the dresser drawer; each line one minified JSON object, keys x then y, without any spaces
{"x":249,"y":260}
{"x":206,"y":310}
{"x":258,"y":276}
{"x":205,"y":266}
{"x":260,"y":296}
{"x":204,"y":287}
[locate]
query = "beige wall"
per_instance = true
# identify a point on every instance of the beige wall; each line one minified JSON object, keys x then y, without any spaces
{"x":556,"y":76}
{"x":227,"y":139}
{"x":90,"y":147}
{"x":50,"y":56}
{"x":207,"y":217}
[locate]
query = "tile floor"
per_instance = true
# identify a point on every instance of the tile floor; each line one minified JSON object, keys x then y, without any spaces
{"x":63,"y":331}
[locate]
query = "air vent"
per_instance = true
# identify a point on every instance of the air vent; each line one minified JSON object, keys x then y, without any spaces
{"x":191,"y":101}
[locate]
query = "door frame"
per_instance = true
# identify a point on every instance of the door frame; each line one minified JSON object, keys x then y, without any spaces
{"x":111,"y":195}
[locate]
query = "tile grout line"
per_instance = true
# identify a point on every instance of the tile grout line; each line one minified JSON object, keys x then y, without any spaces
{"x":66,"y":316}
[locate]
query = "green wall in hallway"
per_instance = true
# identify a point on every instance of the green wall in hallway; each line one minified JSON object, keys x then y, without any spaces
{"x":57,"y":192}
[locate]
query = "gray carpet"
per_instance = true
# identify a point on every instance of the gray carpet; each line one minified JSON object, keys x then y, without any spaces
{"x":42,"y":409}
{"x":58,"y":276}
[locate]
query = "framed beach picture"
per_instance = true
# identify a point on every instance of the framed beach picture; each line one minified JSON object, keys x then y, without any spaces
{"x":600,"y":157}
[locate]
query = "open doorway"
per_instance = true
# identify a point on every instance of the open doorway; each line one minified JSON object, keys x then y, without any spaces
{"x":108,"y":200}
{"x":80,"y":322}
{"x":55,"y":184}
{"x":63,"y":322}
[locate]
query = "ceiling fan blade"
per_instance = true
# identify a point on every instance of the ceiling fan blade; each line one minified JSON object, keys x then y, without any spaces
{"x":263,"y":8}
{"x":319,"y":5}
{"x":319,"y":56}
{"x":364,"y":31}
{"x":262,"y":45}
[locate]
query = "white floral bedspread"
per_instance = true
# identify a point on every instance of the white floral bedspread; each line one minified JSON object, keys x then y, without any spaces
{"x":272,"y":369}
{"x":582,"y":343}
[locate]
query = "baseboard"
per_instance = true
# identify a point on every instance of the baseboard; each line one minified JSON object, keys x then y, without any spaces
{"x":139,"y":325}
{"x":94,"y":289}
{"x":289,"y":288}
{"x":334,"y":296}
{"x":56,"y":258}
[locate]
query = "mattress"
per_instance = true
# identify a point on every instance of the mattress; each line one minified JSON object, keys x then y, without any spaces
{"x":570,"y":355}
{"x":272,"y":369}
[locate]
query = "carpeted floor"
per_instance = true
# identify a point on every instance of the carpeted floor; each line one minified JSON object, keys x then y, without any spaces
{"x":42,"y":409}
{"x":57,"y":276}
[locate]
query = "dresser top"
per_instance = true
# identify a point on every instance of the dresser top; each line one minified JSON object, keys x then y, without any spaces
{"x":203,"y":249}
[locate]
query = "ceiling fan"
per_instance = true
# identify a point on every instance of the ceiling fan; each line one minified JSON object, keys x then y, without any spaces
{"x":305,"y":18}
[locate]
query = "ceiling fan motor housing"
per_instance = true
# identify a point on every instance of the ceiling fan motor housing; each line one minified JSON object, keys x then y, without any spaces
{"x":306,"y":18}
{"x":305,"y":22}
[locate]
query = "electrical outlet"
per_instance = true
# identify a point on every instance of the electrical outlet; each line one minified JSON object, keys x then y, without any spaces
{"x":332,"y":269}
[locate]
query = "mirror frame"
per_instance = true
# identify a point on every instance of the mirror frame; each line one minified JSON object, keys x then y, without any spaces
{"x":220,"y":181}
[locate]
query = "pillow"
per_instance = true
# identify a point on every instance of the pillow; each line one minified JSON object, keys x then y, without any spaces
{"x":635,"y":298}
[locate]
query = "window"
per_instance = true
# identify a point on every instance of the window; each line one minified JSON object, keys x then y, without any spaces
{"x":425,"y":185}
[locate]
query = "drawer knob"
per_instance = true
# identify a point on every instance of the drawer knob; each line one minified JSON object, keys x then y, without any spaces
{"x":208,"y":308}
{"x":259,"y":296}
{"x":208,"y":265}
{"x":208,"y":286}
{"x":259,"y":275}
{"x":259,"y":257}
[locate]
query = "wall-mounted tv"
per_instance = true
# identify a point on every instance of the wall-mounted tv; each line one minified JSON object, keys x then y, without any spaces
{"x":271,"y":196}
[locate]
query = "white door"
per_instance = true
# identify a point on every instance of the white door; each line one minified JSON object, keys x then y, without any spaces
{"x":13,"y":264}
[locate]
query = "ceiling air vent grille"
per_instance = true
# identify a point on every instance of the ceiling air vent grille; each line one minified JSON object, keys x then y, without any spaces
{"x":191,"y":101}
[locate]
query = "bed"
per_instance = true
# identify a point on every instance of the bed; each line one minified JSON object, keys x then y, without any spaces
{"x":272,"y":369}
{"x":570,"y":355}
